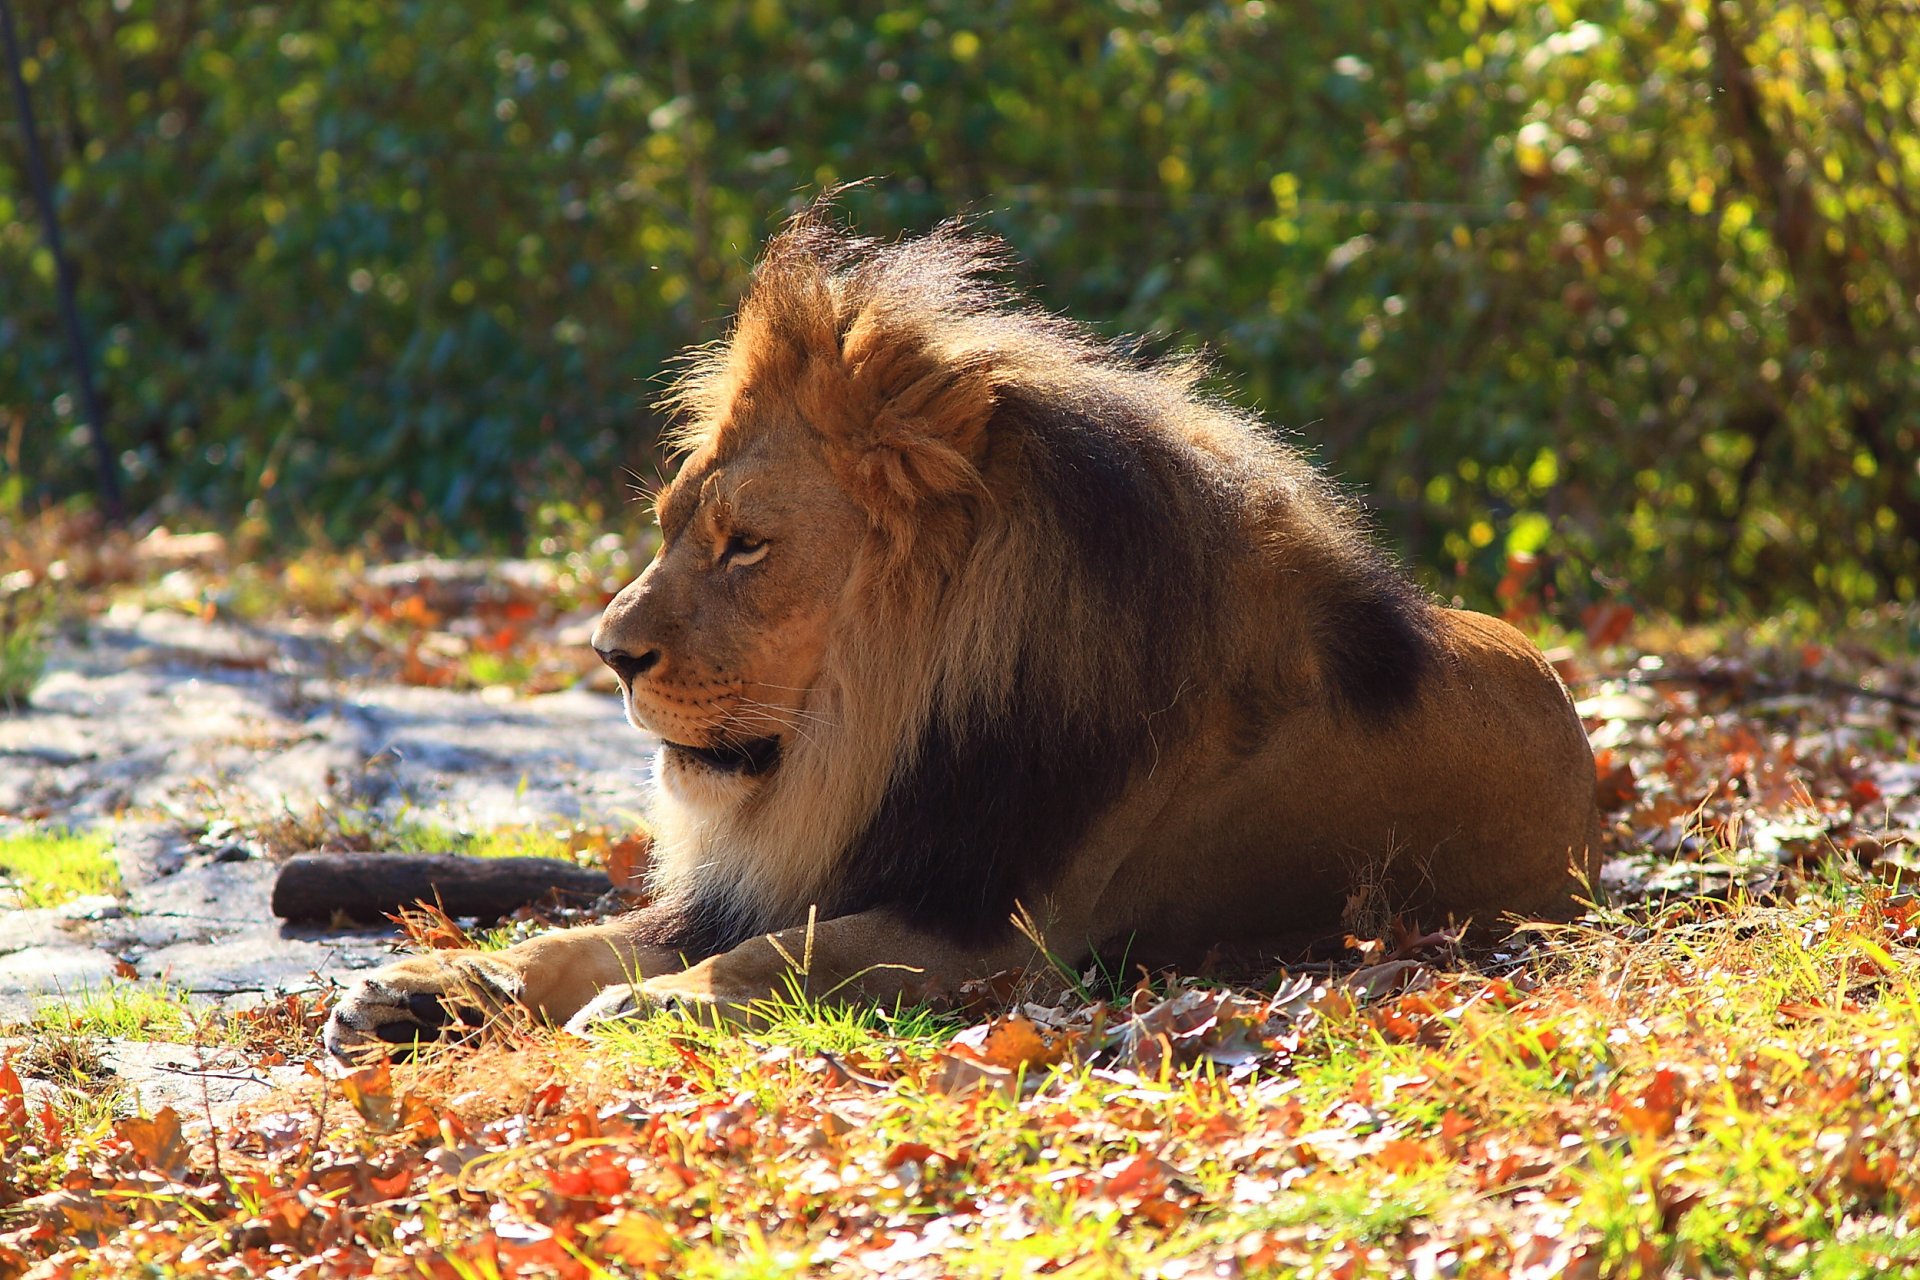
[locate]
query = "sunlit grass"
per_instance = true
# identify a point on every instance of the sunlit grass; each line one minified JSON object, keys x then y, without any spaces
{"x":23,"y":658}
{"x":129,"y":1010}
{"x":50,"y":865}
{"x":1752,"y":1015}
{"x":1710,"y":1089}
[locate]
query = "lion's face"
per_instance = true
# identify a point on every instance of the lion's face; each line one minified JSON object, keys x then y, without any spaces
{"x":719,"y":643}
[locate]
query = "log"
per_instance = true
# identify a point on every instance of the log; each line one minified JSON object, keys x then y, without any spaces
{"x":372,"y":886}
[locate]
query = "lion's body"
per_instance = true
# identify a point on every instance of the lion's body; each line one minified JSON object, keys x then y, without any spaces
{"x":961,"y":614}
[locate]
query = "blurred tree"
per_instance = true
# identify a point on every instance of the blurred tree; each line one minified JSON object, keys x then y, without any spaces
{"x":1629,"y":284}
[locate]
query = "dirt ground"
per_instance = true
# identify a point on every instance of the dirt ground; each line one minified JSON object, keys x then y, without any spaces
{"x":185,"y":738}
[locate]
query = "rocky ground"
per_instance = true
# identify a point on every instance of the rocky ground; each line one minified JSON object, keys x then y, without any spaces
{"x":184,"y":738}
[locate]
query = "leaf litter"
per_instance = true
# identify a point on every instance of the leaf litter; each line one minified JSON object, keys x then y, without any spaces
{"x":1713,"y":1076}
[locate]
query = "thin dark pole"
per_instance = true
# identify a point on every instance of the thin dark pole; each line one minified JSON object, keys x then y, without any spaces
{"x":77,"y":348}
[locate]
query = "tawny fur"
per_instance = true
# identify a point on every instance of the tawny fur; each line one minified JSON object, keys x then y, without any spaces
{"x":917,"y":515}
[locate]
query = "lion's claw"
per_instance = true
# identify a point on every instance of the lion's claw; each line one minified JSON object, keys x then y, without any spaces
{"x":416,"y":1001}
{"x":621,"y":1003}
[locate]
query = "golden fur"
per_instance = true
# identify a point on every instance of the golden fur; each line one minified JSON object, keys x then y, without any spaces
{"x":960,"y":611}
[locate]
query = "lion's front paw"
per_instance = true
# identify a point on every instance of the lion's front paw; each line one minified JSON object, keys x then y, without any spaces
{"x":420,"y":998}
{"x":622,"y":1003}
{"x":696,"y":994}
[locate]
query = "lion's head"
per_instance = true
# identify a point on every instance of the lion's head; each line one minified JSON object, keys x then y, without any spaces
{"x":720,"y":643}
{"x":940,"y":573}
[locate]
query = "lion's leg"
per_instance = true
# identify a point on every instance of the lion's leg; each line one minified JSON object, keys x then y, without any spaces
{"x":552,"y":976}
{"x":871,"y":957}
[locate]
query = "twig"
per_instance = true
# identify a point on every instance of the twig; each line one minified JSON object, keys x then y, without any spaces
{"x":1771,"y":688}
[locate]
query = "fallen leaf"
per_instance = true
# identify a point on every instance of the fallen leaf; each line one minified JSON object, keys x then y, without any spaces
{"x":1614,"y":786}
{"x":627,"y":861}
{"x":909,"y":1153}
{"x":13,"y":1100}
{"x":156,"y":1141}
{"x":1404,"y":1155}
{"x":962,"y":1073}
{"x":1607,"y":624}
{"x":635,"y":1240}
{"x":369,"y":1091}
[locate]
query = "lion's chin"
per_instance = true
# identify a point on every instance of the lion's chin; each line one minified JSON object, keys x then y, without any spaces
{"x":747,"y":759}
{"x":706,"y":786}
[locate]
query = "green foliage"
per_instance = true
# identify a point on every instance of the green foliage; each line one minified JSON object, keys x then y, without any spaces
{"x":121,"y":1011}
{"x":23,"y":650}
{"x":46,"y":866}
{"x":1626,"y":284}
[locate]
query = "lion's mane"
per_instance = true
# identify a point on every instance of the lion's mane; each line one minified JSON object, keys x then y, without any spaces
{"x":1076,"y":561}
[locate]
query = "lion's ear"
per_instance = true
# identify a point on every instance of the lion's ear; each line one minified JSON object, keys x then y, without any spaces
{"x":920,"y":430}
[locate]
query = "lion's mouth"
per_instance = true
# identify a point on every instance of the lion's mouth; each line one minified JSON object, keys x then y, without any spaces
{"x":749,"y":758}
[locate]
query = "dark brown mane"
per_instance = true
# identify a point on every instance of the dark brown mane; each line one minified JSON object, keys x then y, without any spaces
{"x":983,"y":433}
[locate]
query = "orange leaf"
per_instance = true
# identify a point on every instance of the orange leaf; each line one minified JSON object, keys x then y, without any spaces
{"x":1614,"y":787}
{"x":628,"y":859}
{"x":636,"y":1240}
{"x":393,"y":1185}
{"x":1656,"y":1111}
{"x":157,"y":1142}
{"x":13,"y":1099}
{"x":1017,"y":1042}
{"x":50,"y":1124}
{"x":1403,"y":1155}
{"x":370,"y":1092}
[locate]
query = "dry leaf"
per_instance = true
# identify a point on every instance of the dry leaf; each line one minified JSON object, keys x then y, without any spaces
{"x":156,"y":1140}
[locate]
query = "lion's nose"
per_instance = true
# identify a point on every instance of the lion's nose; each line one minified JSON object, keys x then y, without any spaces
{"x":629,"y":666}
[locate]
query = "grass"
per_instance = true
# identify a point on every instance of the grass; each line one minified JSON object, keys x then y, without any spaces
{"x":121,"y":1011}
{"x":159,"y":1011}
{"x":51,"y":865}
{"x":23,"y":649}
{"x":1704,"y":1089}
{"x":359,"y":828}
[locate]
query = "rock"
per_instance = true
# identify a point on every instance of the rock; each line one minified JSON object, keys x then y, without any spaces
{"x":154,"y":724}
{"x":54,"y":969}
{"x":149,"y":851}
{"x":148,"y":1076}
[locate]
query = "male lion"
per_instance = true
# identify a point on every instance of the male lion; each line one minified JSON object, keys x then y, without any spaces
{"x":959,"y":614}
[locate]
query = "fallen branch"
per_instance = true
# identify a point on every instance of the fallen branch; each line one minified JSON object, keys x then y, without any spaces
{"x":372,"y":886}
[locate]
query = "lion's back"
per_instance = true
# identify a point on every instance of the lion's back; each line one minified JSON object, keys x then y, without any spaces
{"x":1474,"y":800}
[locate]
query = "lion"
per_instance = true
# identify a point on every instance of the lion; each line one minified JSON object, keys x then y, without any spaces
{"x":968,"y":631}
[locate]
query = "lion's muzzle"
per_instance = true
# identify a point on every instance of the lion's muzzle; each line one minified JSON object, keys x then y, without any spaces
{"x":629,"y":666}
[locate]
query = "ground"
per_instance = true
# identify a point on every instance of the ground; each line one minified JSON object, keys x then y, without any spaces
{"x":1711,"y":1074}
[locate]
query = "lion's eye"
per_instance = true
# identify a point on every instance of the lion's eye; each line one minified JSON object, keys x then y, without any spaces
{"x":741,"y":550}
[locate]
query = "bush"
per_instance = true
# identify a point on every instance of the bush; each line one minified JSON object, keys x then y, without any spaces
{"x":1625,"y":285}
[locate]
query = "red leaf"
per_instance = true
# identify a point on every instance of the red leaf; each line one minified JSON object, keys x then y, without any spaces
{"x":13,"y":1100}
{"x":1607,"y":624}
{"x":910,"y":1153}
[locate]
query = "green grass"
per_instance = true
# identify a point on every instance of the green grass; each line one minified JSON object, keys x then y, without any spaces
{"x":23,"y":649}
{"x":51,"y":865}
{"x":124,"y":1011}
{"x":333,"y":826}
{"x":1477,"y":1113}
